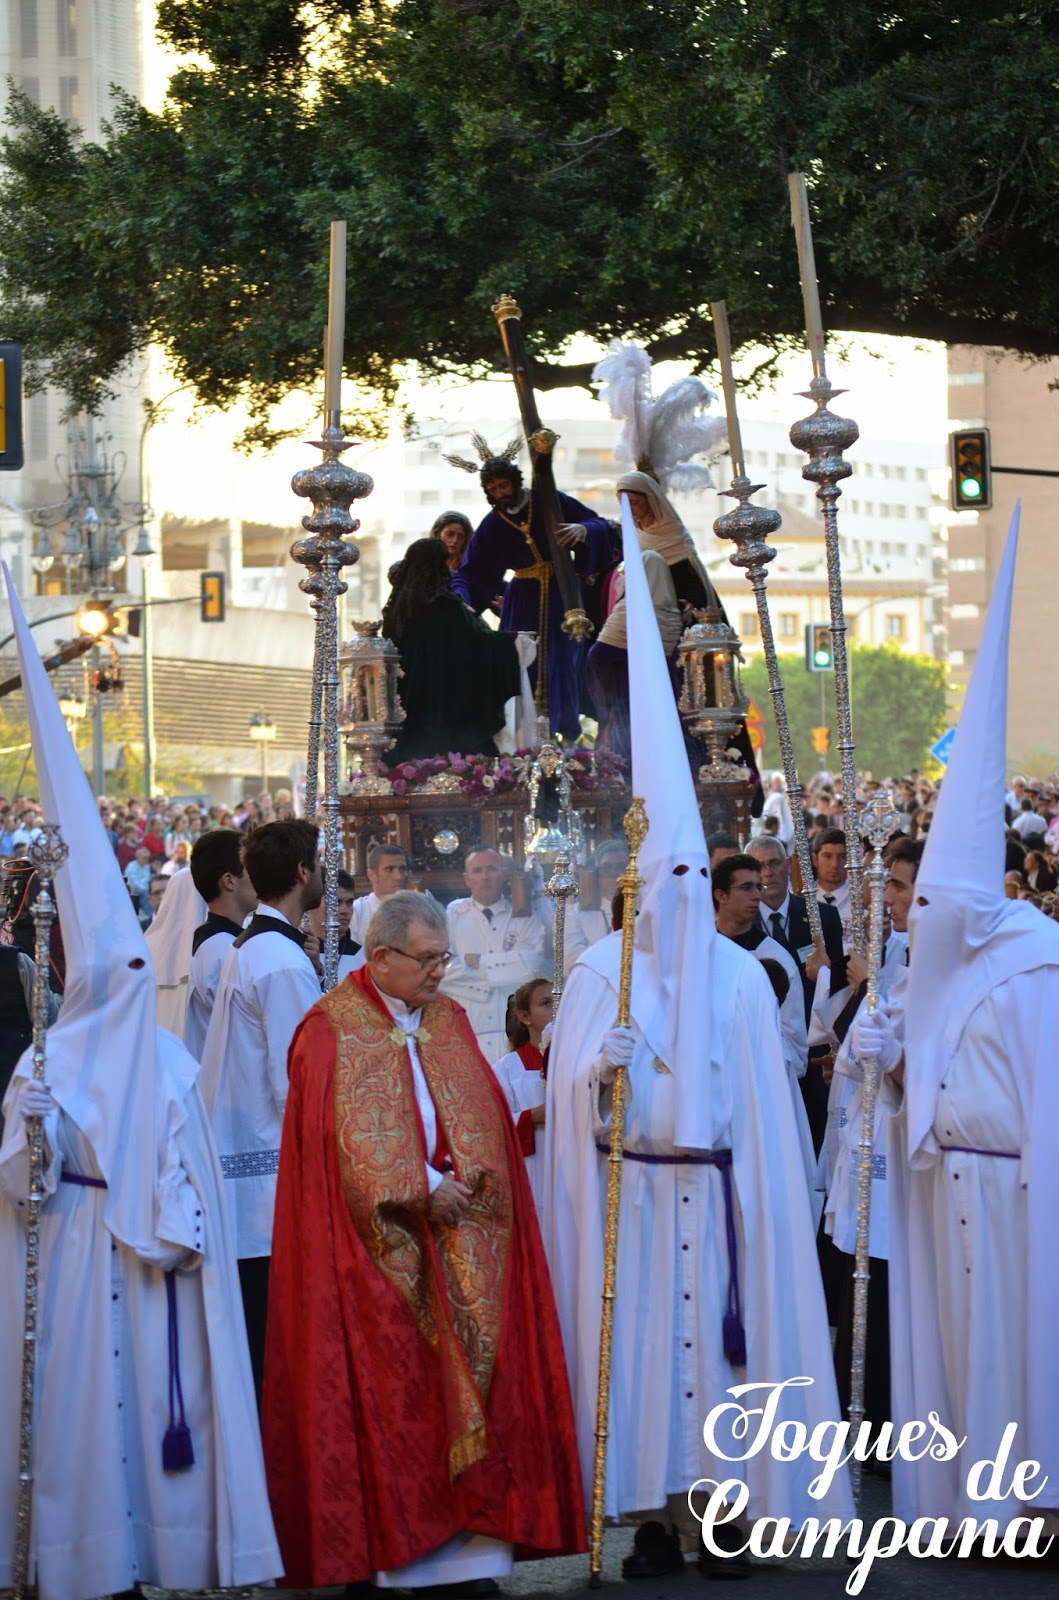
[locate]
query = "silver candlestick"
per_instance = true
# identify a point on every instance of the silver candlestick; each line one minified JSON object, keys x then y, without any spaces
{"x":332,"y":487}
{"x":823,"y":437}
{"x":561,"y":887}
{"x":879,"y":821}
{"x":749,"y":526}
{"x":47,"y":854}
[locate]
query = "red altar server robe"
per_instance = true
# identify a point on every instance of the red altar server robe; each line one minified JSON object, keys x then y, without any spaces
{"x":415,"y":1384}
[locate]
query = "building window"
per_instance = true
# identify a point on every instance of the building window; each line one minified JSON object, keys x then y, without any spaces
{"x":748,"y":624}
{"x":69,"y":100}
{"x":430,"y":497}
{"x":895,"y":627}
{"x":921,"y":513}
{"x":788,"y":625}
{"x":884,"y":508}
{"x":884,"y":470}
{"x":587,"y":460}
{"x":67,"y":27}
{"x":901,"y":512}
{"x":27,"y":20}
{"x":31,"y":90}
{"x":901,"y":474}
{"x":921,"y":474}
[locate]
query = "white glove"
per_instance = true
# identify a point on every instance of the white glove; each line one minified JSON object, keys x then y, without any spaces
{"x":873,"y":1035}
{"x":525,"y":649}
{"x":616,"y":1050}
{"x":35,"y":1099}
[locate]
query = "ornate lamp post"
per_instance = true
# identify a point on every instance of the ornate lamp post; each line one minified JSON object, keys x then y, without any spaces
{"x":262,"y":730}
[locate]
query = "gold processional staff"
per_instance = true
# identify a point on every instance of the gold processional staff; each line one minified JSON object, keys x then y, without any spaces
{"x":635,"y":825}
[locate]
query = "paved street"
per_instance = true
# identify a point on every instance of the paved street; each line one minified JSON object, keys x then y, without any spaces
{"x":902,"y":1576}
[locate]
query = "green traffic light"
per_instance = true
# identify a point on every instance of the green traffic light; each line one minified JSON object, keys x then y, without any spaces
{"x":822,"y":658}
{"x":970,"y":488}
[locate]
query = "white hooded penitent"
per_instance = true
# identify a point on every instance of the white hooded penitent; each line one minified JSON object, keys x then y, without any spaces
{"x":102,"y":1055}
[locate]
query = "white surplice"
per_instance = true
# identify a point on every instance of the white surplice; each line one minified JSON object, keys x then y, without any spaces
{"x":524,"y":1090}
{"x":974,"y":1285}
{"x":106,"y":1514}
{"x":266,"y":987}
{"x":669,"y":1367}
{"x":206,"y":964}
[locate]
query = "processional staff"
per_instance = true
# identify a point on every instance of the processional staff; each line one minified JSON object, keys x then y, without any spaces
{"x":748,"y":525}
{"x":879,"y":821}
{"x":47,"y":854}
{"x":331,"y":487}
{"x":635,"y":824}
{"x":823,"y":437}
{"x":561,"y":887}
{"x":541,"y":442}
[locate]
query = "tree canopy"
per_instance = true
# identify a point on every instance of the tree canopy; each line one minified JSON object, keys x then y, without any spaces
{"x":614,"y":163}
{"x":899,"y":709}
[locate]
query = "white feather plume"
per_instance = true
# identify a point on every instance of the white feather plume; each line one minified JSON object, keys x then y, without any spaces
{"x":668,"y":431}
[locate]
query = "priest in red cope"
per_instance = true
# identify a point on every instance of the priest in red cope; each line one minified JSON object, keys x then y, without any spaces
{"x":417,"y":1421}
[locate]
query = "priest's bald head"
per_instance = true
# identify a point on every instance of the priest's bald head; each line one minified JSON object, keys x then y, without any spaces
{"x":406,"y":947}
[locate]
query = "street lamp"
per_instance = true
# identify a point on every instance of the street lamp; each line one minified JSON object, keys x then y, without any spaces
{"x":95,"y":621}
{"x":262,"y":730}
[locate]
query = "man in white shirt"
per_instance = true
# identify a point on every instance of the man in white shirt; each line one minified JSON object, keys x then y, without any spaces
{"x":495,"y":951}
{"x":267,"y":984}
{"x":832,"y":885}
{"x":221,"y":879}
{"x":777,"y":805}
{"x":389,"y":869}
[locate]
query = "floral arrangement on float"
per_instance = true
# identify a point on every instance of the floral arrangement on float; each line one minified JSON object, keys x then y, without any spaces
{"x":482,"y":776}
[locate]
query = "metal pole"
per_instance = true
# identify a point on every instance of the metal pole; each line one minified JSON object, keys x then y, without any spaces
{"x":823,"y":436}
{"x":879,"y":821}
{"x":331,"y":487}
{"x":98,"y":776}
{"x":148,"y":688}
{"x":48,"y":854}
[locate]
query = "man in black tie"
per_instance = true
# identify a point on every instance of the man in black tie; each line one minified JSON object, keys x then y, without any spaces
{"x":783,"y":917}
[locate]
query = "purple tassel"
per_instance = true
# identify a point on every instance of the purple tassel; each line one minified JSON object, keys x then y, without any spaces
{"x":177,"y":1454}
{"x":734,"y":1338}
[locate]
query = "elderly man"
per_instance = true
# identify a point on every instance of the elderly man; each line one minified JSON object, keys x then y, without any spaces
{"x":495,"y":950}
{"x":410,"y":1316}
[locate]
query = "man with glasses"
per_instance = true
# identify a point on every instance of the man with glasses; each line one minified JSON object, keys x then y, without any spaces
{"x":410,"y":1312}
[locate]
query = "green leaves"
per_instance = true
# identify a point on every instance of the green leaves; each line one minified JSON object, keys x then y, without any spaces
{"x":615,"y":163}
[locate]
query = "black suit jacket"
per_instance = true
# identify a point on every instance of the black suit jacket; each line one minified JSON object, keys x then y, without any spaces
{"x":799,"y":936}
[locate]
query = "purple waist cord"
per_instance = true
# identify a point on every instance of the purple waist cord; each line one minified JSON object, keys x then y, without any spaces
{"x":969,"y":1150}
{"x":733,"y":1333}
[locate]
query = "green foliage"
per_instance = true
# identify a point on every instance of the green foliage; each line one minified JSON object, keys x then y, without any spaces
{"x":614,"y":164}
{"x":899,"y":709}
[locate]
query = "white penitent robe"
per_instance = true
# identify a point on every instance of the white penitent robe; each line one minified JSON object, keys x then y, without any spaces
{"x":974,"y":1281}
{"x":106,"y":1514}
{"x":524,"y":1090}
{"x":839,"y":1166}
{"x":795,"y":1056}
{"x":669,"y":1369}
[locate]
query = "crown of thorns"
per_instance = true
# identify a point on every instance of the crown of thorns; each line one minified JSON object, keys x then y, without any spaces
{"x":485,"y":453}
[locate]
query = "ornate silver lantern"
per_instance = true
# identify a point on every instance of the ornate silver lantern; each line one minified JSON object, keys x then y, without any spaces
{"x":713,"y":704}
{"x":371,"y":706}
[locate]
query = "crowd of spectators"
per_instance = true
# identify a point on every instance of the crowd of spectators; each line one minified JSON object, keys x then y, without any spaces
{"x":151,"y":838}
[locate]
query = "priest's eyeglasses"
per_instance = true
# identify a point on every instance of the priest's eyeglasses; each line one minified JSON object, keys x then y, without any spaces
{"x":425,"y":963}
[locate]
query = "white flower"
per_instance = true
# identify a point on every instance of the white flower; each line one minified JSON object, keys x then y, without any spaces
{"x":488,"y":782}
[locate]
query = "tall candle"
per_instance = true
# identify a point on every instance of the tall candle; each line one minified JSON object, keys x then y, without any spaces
{"x":719,"y":313}
{"x":803,"y":232}
{"x":336,"y":321}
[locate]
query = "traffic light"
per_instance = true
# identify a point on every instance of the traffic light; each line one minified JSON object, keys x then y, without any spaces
{"x":819,"y":657}
{"x":211,"y":597}
{"x":11,"y":450}
{"x":971,"y":486}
